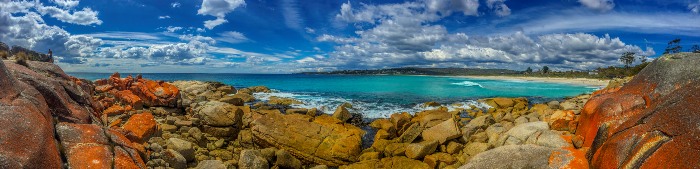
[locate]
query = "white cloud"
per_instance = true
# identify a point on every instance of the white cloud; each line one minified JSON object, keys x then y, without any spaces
{"x":290,"y":12}
{"x":219,"y":9}
{"x":210,"y":24}
{"x":232,"y":37}
{"x":404,"y":35}
{"x":86,"y":16}
{"x":599,"y":5}
{"x":309,"y":30}
{"x":499,"y":7}
{"x":175,"y":4}
{"x":446,"y":7}
{"x":66,"y":3}
{"x":173,"y":29}
{"x":694,"y":7}
{"x":164,"y":17}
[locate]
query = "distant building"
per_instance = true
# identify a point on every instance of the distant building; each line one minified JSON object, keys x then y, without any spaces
{"x":594,"y":72}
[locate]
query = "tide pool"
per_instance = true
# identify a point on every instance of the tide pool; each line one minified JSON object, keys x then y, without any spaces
{"x":378,"y":95}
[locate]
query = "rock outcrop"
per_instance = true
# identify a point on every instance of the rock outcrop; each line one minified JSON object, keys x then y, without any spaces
{"x":528,"y":156}
{"x":138,"y":92}
{"x":35,"y":93}
{"x":650,"y":122}
{"x":322,"y":140}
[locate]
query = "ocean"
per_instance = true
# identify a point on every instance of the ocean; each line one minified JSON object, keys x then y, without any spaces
{"x":377,"y":96}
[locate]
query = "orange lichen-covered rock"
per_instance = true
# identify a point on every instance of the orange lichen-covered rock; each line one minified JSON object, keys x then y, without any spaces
{"x":141,"y":126}
{"x":130,"y":98}
{"x":156,"y":93}
{"x":561,"y":120}
{"x":91,"y":146}
{"x":114,"y":110}
{"x":650,"y":122}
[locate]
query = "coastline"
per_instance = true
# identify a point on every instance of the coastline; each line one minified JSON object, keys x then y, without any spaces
{"x":574,"y":81}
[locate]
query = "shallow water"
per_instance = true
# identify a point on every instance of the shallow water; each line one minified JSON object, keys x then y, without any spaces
{"x":378,"y":96}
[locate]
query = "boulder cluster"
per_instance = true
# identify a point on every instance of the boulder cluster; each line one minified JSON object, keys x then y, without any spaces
{"x":52,"y":120}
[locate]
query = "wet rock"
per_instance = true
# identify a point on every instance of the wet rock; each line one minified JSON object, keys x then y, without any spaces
{"x":274,"y":100}
{"x":342,"y":114}
{"x":245,"y":97}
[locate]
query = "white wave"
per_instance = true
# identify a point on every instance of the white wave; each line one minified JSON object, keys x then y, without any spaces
{"x":468,"y":83}
{"x":367,"y":109}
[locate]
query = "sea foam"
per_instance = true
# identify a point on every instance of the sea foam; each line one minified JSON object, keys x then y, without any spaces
{"x":468,"y":83}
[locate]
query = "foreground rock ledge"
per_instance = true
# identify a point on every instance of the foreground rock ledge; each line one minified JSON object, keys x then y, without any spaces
{"x":323,"y":140}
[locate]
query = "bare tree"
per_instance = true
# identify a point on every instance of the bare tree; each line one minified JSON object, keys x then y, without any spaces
{"x":627,"y":58}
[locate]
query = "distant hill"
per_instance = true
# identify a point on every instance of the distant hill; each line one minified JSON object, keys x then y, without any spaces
{"x":422,"y":71}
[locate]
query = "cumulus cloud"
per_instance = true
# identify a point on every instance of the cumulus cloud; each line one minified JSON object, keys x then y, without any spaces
{"x":173,"y":29}
{"x":219,"y":9}
{"x":446,"y":7}
{"x":599,"y":5}
{"x":499,"y":7}
{"x":405,"y":35}
{"x":66,"y":3}
{"x":232,"y":37}
{"x":86,"y":16}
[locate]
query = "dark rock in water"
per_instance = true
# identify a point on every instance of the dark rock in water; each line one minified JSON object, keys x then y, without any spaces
{"x":650,"y":122}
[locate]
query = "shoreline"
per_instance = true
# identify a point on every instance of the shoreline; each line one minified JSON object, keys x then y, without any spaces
{"x":572,"y":81}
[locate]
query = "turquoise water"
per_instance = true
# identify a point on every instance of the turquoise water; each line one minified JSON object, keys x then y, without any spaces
{"x":376,"y":95}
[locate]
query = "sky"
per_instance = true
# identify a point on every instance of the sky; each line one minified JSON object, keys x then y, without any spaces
{"x":288,"y":36}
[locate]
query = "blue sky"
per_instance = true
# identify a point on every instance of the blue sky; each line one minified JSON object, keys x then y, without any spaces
{"x":286,"y":36}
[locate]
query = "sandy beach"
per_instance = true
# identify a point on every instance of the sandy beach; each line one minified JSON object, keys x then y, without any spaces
{"x":576,"y":81}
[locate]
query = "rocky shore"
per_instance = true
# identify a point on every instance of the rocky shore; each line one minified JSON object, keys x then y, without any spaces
{"x":52,"y":120}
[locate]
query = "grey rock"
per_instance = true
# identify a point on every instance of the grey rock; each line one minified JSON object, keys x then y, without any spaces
{"x":252,"y":159}
{"x":211,"y":164}
{"x":553,"y":104}
{"x":183,"y":147}
{"x":518,"y":156}
{"x":175,"y":159}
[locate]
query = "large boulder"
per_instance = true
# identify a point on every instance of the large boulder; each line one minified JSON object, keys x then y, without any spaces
{"x":31,"y":96}
{"x":197,"y":91}
{"x":323,"y":140}
{"x":532,"y":133}
{"x":156,"y":93}
{"x":442,"y":132}
{"x":528,"y":156}
{"x":141,"y":126}
{"x":650,"y":122}
{"x":89,"y":145}
{"x":218,"y":114}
